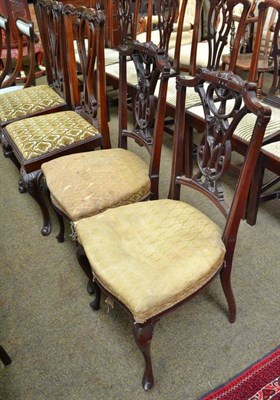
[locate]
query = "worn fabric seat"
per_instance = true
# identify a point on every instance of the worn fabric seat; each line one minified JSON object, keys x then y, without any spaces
{"x":17,"y":104}
{"x":145,"y":240}
{"x":96,"y":181}
{"x":36,"y":136}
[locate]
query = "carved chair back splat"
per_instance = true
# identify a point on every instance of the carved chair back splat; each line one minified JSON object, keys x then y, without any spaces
{"x":148,"y":112}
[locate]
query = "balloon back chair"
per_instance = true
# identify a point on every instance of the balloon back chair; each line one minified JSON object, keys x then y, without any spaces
{"x":42,"y":138}
{"x":151,"y":257}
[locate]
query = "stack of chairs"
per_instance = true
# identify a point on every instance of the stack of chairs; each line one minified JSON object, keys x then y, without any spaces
{"x":147,"y":254}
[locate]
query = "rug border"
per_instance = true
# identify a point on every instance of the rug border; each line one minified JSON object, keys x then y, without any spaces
{"x":239,"y":374}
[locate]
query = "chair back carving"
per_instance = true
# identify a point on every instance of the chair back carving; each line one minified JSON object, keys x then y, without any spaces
{"x":52,"y":32}
{"x":167,"y":10}
{"x":236,"y":98}
{"x":273,"y":56}
{"x":152,"y":68}
{"x":25,"y":48}
{"x":219,"y":22}
{"x":90,"y":99}
{"x":5,"y":47}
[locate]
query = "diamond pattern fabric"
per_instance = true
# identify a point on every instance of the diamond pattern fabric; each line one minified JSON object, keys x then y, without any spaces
{"x":17,"y":104}
{"x":95,"y":181}
{"x":152,"y":255}
{"x":40,"y":135}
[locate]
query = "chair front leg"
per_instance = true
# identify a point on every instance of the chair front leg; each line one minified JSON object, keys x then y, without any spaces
{"x":143,"y":334}
{"x":31,"y":182}
{"x":225,"y":276}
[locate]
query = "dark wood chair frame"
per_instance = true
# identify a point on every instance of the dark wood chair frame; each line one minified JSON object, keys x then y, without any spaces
{"x":217,"y":39}
{"x":213,"y":159}
{"x":266,"y":160}
{"x":24,"y":41}
{"x":89,"y":104}
{"x":5,"y":33}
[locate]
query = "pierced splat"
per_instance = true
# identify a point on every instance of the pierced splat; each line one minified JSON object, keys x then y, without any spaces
{"x":223,"y":109}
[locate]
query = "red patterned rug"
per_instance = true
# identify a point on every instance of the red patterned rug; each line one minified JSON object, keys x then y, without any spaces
{"x":261,"y":381}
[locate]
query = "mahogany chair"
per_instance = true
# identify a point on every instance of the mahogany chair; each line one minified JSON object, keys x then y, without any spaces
{"x":219,"y":19}
{"x":11,"y":70}
{"x":39,"y":139}
{"x":151,"y":257}
{"x":265,"y":62}
{"x":82,"y":185}
{"x":128,"y":23}
{"x":16,"y":9}
{"x":269,"y":158}
{"x":5,"y":52}
{"x":41,"y":99}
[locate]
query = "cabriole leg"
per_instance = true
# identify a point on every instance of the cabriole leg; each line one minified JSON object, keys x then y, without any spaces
{"x":143,"y":334}
{"x":31,"y":182}
{"x":226,"y":284}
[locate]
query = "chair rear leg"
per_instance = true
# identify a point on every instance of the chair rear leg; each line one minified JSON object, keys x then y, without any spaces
{"x":255,"y":193}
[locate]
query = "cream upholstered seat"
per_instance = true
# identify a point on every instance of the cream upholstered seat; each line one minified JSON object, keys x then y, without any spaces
{"x":34,"y":137}
{"x":148,"y":243}
{"x":272,"y":149}
{"x":96,"y":181}
{"x":28,"y":101}
{"x":114,"y":71}
{"x":244,"y":130}
{"x":111,"y":55}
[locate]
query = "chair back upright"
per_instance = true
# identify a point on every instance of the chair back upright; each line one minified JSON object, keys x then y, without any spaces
{"x":273,"y":55}
{"x":52,"y":33}
{"x":5,"y":47}
{"x":236,"y":98}
{"x":89,"y":100}
{"x":148,"y":112}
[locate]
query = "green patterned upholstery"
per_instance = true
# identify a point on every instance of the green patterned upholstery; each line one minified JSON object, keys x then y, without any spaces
{"x":20,"y":103}
{"x":95,"y":181}
{"x":153,"y":254}
{"x":36,"y":136}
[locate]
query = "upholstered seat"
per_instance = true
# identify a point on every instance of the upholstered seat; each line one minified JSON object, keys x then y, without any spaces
{"x":36,"y":136}
{"x":31,"y":100}
{"x":111,"y":55}
{"x":245,"y":128}
{"x":155,"y":38}
{"x":145,"y":241}
{"x":96,"y":181}
{"x":114,"y":70}
{"x":202,"y":54}
{"x":272,"y":149}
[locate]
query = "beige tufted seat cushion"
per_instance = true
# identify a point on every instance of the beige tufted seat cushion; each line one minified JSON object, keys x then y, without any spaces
{"x":95,"y":181}
{"x":36,"y":136}
{"x":152,"y":255}
{"x":20,"y":103}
